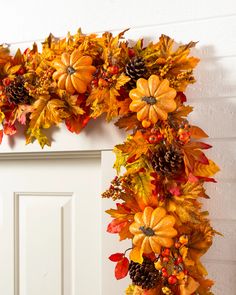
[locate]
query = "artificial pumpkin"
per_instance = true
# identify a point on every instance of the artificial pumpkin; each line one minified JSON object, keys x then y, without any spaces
{"x":153,"y":99}
{"x":73,"y":72}
{"x":153,"y":229}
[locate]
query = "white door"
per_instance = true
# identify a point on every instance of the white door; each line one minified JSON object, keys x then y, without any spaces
{"x":50,"y":227}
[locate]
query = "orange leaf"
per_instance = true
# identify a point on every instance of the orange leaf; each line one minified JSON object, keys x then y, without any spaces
{"x":1,"y":136}
{"x":197,"y":132}
{"x":116,"y":225}
{"x":135,"y":145}
{"x":206,"y":170}
{"x":76,"y":123}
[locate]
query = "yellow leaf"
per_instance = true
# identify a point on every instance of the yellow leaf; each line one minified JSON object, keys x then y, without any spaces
{"x":120,"y":159}
{"x":121,"y":81}
{"x":206,"y":170}
{"x":143,"y":188}
{"x":136,"y":255}
{"x":135,"y":146}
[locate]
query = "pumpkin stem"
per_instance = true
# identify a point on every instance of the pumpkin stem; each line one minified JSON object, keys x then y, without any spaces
{"x":149,"y":100}
{"x":70,"y":70}
{"x":147,"y":231}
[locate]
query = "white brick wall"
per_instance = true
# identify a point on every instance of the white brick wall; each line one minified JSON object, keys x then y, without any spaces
{"x":213,"y":23}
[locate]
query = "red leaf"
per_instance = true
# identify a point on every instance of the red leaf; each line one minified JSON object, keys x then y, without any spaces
{"x":76,"y":123}
{"x":116,"y":257}
{"x":1,"y":136}
{"x":207,"y":179}
{"x":175,"y":191}
{"x":122,"y":268}
{"x":116,"y":225}
{"x":192,"y":178}
{"x":9,"y":129}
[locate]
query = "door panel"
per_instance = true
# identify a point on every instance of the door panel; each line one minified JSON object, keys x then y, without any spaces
{"x":50,"y":227}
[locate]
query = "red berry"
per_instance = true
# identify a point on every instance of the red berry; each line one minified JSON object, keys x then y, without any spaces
{"x":154,"y":131}
{"x":153,"y":139}
{"x":6,"y":81}
{"x":172,"y":280}
{"x":131,"y":52}
{"x":166,"y":252}
{"x":113,"y":70}
{"x":21,"y":71}
{"x":160,"y":136}
{"x":177,"y":245}
{"x":95,"y":83}
{"x":163,"y":269}
{"x":165,"y":274}
{"x":185,"y":271}
{"x":179,"y":260}
{"x":166,"y":259}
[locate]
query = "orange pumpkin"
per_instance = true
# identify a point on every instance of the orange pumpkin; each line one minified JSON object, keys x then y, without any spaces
{"x":153,"y":229}
{"x":153,"y":99}
{"x":73,"y":72}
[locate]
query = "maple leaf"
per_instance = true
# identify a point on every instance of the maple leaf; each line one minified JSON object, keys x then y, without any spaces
{"x":128,"y":122}
{"x":47,"y":111}
{"x":73,"y":106}
{"x":143,"y":187}
{"x":206,"y":170}
{"x":181,"y":112}
{"x":9,"y":129}
{"x":185,"y":205}
{"x":135,"y":146}
{"x":77,"y":123}
{"x":193,"y":154}
{"x":121,"y":159}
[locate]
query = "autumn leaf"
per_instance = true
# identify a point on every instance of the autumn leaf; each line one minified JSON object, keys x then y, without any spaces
{"x":136,"y":255}
{"x":116,"y":225}
{"x":128,"y":122}
{"x":1,"y":136}
{"x":143,"y":188}
{"x":77,"y":123}
{"x":47,"y":111}
{"x":121,"y":81}
{"x":122,"y":268}
{"x":72,"y":105}
{"x":181,"y":112}
{"x":9,"y":129}
{"x":135,"y":145}
{"x":116,"y":257}
{"x":206,"y":170}
{"x":193,"y":154}
{"x":121,"y":159}
{"x":197,"y":132}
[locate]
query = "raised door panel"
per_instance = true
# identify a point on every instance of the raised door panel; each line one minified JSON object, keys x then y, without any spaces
{"x":50,"y":227}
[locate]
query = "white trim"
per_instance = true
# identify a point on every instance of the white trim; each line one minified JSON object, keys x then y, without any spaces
{"x":50,"y":155}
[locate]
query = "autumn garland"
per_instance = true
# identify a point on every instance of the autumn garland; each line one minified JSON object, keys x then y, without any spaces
{"x":79,"y":78}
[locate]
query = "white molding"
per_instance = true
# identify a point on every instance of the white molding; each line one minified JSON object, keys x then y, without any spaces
{"x":50,"y":155}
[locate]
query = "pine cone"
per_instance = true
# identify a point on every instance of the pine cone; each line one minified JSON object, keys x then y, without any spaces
{"x":135,"y":69}
{"x":16,"y":92}
{"x":168,"y":160}
{"x":144,"y":275}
